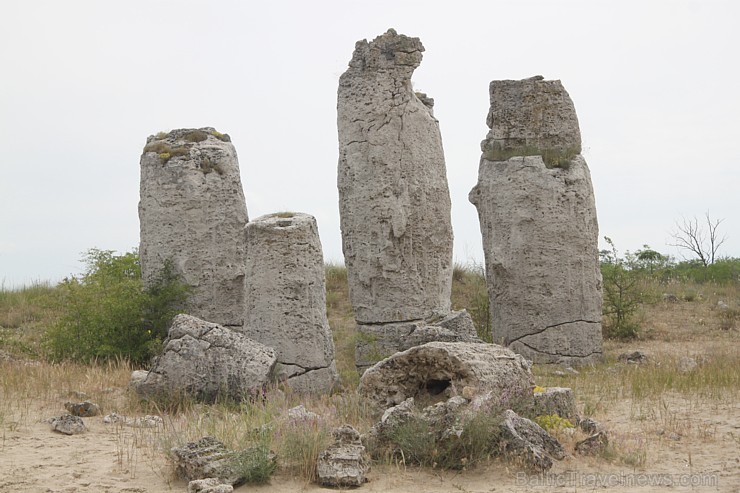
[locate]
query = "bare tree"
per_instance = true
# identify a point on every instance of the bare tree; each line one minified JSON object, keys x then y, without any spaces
{"x":691,"y":235}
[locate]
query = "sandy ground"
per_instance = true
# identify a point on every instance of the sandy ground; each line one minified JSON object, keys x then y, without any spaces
{"x":698,"y":451}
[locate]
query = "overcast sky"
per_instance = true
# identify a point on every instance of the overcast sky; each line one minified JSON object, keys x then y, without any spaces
{"x":655,"y":85}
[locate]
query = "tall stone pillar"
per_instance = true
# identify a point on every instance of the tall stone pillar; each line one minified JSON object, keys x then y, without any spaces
{"x":192,"y":212}
{"x":394,"y":201}
{"x":286,"y":299}
{"x":537,"y":214}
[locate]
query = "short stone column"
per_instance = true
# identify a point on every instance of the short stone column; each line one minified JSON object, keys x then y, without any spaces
{"x":285,"y":301}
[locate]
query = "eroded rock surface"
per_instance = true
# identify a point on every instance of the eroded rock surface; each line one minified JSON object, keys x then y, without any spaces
{"x":344,"y":464}
{"x":68,"y":424}
{"x":537,"y":213}
{"x":192,"y":212}
{"x":208,"y":360}
{"x":437,"y":370}
{"x":286,"y":299}
{"x":83,"y":409}
{"x":207,"y":458}
{"x":556,"y":400}
{"x":394,"y":199}
{"x":375,"y":342}
{"x":530,"y":442}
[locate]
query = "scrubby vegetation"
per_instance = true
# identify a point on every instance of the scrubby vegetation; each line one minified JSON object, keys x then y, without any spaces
{"x":633,"y":281}
{"x":107,"y":313}
{"x":96,"y":327}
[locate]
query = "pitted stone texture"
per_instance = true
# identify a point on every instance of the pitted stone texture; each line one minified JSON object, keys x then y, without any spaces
{"x":286,"y":299}
{"x":207,"y":458}
{"x":529,"y":441}
{"x":540,"y":232}
{"x":344,"y":464}
{"x":192,"y":211}
{"x":208,"y":361}
{"x":394,"y":199}
{"x":443,"y":368}
{"x":375,"y":342}
{"x":68,"y":424}
{"x":209,"y":485}
{"x":556,"y":400}
{"x":531,"y":117}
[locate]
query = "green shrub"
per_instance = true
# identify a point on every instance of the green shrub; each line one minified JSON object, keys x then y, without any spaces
{"x":108,"y":314}
{"x":418,"y":442}
{"x":469,"y":291}
{"x":256,"y":464}
{"x":622,"y":295}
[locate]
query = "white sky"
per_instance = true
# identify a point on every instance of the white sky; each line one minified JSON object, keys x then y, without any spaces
{"x":83,"y":83}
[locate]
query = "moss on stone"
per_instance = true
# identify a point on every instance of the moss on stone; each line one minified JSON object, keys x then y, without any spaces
{"x":553,"y":158}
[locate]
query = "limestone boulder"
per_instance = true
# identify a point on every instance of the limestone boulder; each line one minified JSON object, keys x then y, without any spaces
{"x":538,"y":220}
{"x":595,"y":444}
{"x":83,"y":409}
{"x":68,"y":424}
{"x":344,"y":464}
{"x":207,"y":458}
{"x":209,"y":485}
{"x":285,"y":299}
{"x":556,"y":400}
{"x":394,"y":198}
{"x":192,"y":213}
{"x":208,"y":361}
{"x":529,"y":442}
{"x":438,"y":370}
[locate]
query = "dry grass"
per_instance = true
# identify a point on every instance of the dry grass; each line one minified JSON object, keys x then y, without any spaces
{"x":648,"y":406}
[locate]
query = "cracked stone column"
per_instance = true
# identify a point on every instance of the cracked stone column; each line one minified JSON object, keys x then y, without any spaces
{"x":537,"y":214}
{"x":286,"y":299}
{"x":394,"y":200}
{"x":192,"y":212}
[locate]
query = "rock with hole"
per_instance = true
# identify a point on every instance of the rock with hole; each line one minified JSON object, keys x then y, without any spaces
{"x":537,"y":215}
{"x":438,"y":370}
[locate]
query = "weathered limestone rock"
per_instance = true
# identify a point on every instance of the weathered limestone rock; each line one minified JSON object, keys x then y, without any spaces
{"x":148,"y":421}
{"x":375,"y":342}
{"x":207,"y":458}
{"x":286,"y":299}
{"x":394,"y":200}
{"x":537,"y":213}
{"x":344,"y":464}
{"x":209,"y":485}
{"x":208,"y":360}
{"x":68,"y":424}
{"x":83,"y":409}
{"x":530,"y":442}
{"x":440,"y":368}
{"x":192,"y":212}
{"x":556,"y":400}
{"x":594,"y":445}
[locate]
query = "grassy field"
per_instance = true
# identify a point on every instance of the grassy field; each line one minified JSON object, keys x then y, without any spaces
{"x":690,"y":338}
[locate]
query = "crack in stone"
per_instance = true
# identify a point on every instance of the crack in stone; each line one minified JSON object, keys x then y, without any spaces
{"x":550,"y":327}
{"x":410,"y":321}
{"x":560,"y":354}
